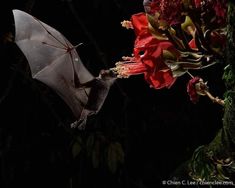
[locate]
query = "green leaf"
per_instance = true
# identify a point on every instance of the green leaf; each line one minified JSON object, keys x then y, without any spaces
{"x":112,"y":158}
{"x":90,"y":144}
{"x":115,"y":156}
{"x":96,"y":155}
{"x":119,"y":152}
{"x":76,"y":149}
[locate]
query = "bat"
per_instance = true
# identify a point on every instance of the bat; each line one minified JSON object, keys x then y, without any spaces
{"x":54,"y":61}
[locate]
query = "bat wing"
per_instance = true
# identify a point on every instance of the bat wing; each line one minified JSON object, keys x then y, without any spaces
{"x":54,"y":61}
{"x":44,"y":46}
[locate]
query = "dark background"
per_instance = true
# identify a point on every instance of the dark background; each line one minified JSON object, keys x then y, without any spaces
{"x":157,"y":129}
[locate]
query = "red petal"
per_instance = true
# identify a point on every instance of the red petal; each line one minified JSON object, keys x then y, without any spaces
{"x":139,"y":22}
{"x":197,"y":3}
{"x":192,"y":44}
{"x":161,"y":79}
{"x":192,"y":90}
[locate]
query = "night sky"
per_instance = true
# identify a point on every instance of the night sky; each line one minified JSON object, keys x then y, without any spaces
{"x":157,"y":129}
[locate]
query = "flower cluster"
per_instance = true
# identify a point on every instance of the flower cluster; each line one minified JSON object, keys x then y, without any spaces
{"x":173,"y":37}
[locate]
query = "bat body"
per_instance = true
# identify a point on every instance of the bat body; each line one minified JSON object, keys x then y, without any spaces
{"x":54,"y":61}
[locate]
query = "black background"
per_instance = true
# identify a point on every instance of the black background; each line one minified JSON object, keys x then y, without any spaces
{"x":158,"y":129}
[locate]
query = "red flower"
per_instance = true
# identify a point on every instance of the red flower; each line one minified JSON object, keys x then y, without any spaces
{"x":147,"y":56}
{"x":140,"y":24}
{"x":151,"y":7}
{"x":196,"y":87}
{"x":214,"y":10}
{"x":217,"y":40}
{"x":220,"y":8}
{"x":191,"y":89}
{"x":169,"y":10}
{"x":148,"y":51}
{"x":197,"y":3}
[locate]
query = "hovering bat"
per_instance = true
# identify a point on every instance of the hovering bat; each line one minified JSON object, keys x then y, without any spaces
{"x":54,"y":61}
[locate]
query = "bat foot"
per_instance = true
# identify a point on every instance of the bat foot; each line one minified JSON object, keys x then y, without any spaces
{"x":81,"y":124}
{"x":74,"y":124}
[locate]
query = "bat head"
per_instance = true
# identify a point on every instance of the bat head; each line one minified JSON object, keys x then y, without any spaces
{"x":108,"y":76}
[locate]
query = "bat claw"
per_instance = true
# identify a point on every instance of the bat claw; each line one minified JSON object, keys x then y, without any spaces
{"x":80,"y":124}
{"x":74,"y":124}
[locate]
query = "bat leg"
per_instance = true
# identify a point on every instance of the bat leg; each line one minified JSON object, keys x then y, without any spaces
{"x":74,"y":124}
{"x":81,"y":123}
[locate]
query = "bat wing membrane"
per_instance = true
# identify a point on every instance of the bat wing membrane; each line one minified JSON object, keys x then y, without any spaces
{"x":52,"y":59}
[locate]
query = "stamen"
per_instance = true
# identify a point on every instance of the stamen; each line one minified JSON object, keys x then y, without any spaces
{"x":127,"y":24}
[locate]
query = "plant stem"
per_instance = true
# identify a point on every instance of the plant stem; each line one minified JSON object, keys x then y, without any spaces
{"x":214,"y":99}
